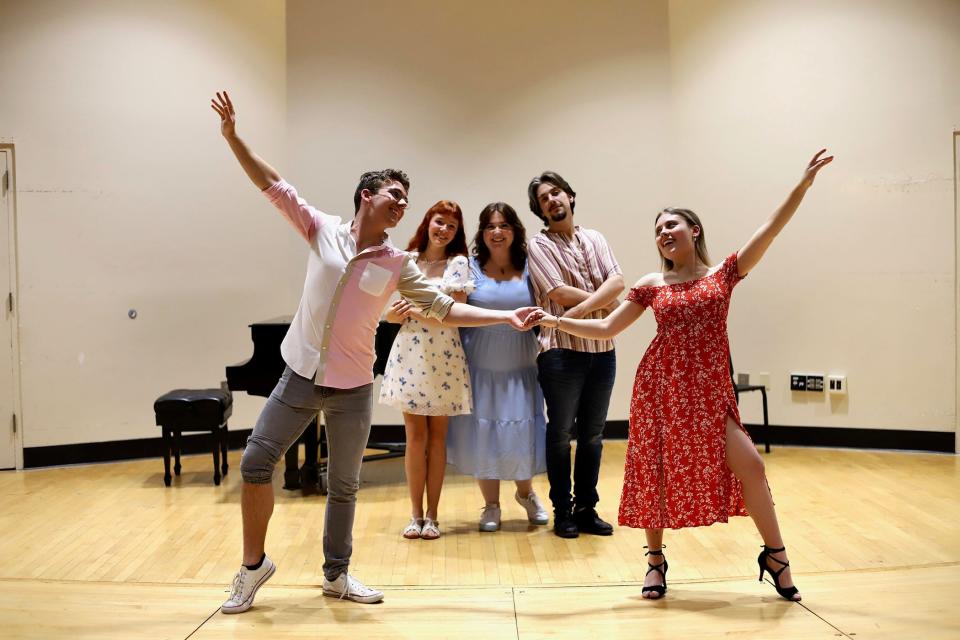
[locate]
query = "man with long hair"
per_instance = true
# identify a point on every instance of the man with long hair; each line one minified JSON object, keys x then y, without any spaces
{"x":574,"y":275}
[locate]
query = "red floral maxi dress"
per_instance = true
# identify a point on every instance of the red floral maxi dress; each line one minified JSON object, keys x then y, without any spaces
{"x":676,"y":474}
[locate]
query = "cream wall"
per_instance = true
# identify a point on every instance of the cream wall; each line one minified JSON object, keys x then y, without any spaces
{"x":473,"y":100}
{"x":861,"y":282}
{"x":128,"y":198}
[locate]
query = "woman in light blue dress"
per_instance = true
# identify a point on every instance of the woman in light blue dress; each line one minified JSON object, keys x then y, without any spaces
{"x":504,"y":438}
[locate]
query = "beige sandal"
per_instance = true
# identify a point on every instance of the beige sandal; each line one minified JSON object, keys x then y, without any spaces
{"x":414,"y":529}
{"x":430,"y":529}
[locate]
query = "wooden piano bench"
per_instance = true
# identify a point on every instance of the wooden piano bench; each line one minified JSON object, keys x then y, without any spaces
{"x":191,"y":410}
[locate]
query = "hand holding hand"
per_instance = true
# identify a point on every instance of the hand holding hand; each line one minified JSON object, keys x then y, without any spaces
{"x":399,"y":311}
{"x":817,"y":163}
{"x":524,"y":318}
{"x":542,"y":318}
{"x":228,"y":117}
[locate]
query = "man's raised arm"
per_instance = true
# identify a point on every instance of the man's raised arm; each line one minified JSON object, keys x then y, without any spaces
{"x":259,"y":172}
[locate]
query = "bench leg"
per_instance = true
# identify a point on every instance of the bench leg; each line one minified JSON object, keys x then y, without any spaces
{"x":166,"y":457}
{"x":176,"y":452}
{"x":766,"y":424}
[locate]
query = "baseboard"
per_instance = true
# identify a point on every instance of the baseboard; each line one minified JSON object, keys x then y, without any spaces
{"x":938,"y":441}
{"x":843,"y":437}
{"x":122,"y":449}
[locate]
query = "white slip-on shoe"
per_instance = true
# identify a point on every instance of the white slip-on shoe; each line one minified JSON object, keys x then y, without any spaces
{"x":349,"y":588}
{"x":490,"y":517}
{"x":536,"y":514}
{"x":245,"y":585}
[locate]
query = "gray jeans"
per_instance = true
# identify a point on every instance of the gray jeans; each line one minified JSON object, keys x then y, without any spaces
{"x":291,"y":406}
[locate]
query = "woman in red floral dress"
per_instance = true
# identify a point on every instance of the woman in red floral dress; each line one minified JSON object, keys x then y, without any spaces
{"x":690,"y":462}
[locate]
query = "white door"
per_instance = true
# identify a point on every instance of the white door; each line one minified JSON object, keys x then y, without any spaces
{"x":9,"y":367}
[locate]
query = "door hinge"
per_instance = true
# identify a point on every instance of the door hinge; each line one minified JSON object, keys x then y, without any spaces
{"x":14,"y":423}
{"x":6,"y":181}
{"x":10,"y":302}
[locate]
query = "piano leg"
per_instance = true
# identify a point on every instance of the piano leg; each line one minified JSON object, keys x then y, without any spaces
{"x":215,"y":441}
{"x":309,"y":474}
{"x":307,"y":477}
{"x":224,"y":435}
{"x":291,"y":474}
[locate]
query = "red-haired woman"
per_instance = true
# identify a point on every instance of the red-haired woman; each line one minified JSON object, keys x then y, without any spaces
{"x":426,"y":373}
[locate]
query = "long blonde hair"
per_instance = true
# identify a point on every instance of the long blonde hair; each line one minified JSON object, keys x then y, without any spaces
{"x":699,"y":243}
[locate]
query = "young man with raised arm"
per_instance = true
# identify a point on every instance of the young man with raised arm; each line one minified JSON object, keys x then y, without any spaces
{"x":352,"y":270}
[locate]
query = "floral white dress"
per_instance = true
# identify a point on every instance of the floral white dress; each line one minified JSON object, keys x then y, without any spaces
{"x":426,"y":372}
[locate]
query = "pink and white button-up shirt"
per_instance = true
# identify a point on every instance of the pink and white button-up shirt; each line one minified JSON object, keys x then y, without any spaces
{"x":331,"y":336}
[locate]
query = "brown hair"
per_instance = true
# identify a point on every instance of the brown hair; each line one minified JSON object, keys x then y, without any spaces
{"x":549,"y":177}
{"x":699,"y":243}
{"x":373,"y":180}
{"x":518,"y":250}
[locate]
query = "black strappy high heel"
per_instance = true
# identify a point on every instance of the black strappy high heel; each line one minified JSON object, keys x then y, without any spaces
{"x":786,"y":593}
{"x":661,"y":568}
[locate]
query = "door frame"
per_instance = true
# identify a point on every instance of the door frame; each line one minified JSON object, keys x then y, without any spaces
{"x":7,"y":148}
{"x":956,"y":287}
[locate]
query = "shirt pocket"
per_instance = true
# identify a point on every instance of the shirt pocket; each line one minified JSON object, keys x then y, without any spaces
{"x":374,"y":279}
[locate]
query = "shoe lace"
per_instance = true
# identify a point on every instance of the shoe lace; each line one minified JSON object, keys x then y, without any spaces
{"x":237,"y":587}
{"x":350,"y":585}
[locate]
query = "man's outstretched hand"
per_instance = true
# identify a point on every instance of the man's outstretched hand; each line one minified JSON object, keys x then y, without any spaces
{"x":525,"y":318}
{"x":228,"y":117}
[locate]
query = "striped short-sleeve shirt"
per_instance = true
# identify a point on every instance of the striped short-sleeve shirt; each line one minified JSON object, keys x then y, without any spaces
{"x":584,"y":262}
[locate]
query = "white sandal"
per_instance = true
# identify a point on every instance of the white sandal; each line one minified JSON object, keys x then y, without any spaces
{"x":414,"y":529}
{"x":430,"y":529}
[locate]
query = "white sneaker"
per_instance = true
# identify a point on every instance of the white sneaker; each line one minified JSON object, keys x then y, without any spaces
{"x":536,"y":514}
{"x":490,"y":518}
{"x":346,"y":586}
{"x":245,"y":585}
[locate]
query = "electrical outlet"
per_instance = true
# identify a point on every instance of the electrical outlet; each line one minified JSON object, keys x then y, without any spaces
{"x":837,"y":384}
{"x":743,"y":378}
{"x":806,"y":382}
{"x":798,"y":382}
{"x":763,"y":378}
{"x":815,"y":383}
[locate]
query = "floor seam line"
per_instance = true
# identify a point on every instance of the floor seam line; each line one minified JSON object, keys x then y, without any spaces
{"x":824,"y":620}
{"x":199,"y":626}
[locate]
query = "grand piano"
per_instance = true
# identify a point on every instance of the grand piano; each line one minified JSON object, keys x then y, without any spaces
{"x":259,"y":375}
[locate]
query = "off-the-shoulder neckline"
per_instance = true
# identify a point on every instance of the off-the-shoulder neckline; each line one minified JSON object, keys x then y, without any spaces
{"x":677,"y":284}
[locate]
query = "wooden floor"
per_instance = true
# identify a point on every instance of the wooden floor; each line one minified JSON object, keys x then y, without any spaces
{"x":106,"y":551}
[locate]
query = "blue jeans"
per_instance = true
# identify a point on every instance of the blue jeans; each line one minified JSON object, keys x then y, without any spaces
{"x":577,"y":388}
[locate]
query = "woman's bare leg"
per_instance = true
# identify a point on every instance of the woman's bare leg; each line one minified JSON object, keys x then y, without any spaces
{"x":747,"y":465}
{"x":436,"y":461}
{"x":654,"y":543}
{"x":524,"y":487}
{"x":415,"y":460}
{"x":490,"y":490}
